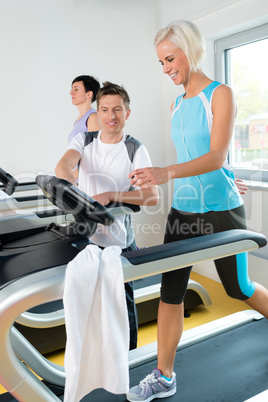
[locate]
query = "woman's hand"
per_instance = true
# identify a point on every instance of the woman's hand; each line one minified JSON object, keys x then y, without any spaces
{"x":242,"y":187}
{"x":150,"y":176}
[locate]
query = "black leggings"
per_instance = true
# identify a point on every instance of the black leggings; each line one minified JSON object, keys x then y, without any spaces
{"x":131,"y":307}
{"x":233,"y":270}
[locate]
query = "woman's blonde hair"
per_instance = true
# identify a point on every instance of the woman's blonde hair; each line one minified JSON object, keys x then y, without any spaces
{"x":185,"y":35}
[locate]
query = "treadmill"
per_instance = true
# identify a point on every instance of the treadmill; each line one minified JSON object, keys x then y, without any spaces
{"x":41,"y":281}
{"x":44,"y":325}
{"x":10,"y":201}
{"x":22,"y":220}
{"x":9,"y":184}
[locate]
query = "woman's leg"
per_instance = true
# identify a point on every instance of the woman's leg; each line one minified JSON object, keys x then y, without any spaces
{"x":170,"y":316}
{"x":259,"y":300}
{"x":169,"y":331}
{"x":236,"y":282}
{"x":233,"y":271}
{"x":173,"y":289}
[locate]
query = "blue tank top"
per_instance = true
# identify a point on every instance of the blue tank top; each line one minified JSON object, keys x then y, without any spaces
{"x":80,"y":126}
{"x":213,"y":191}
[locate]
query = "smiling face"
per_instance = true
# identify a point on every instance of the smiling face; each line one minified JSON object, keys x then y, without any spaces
{"x":174,"y":62}
{"x":112,"y":114}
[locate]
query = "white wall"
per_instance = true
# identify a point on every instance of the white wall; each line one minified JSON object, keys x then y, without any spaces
{"x":44,"y":45}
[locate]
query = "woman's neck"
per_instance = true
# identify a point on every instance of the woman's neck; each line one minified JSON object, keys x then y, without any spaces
{"x":83,"y":109}
{"x":196,"y":82}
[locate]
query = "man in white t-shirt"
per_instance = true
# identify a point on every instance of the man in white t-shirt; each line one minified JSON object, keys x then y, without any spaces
{"x":105,"y":159}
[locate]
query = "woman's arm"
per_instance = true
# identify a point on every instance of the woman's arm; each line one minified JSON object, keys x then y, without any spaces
{"x":93,"y":122}
{"x":224,"y":110}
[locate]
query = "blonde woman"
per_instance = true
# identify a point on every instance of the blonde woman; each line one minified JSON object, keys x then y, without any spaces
{"x":204,"y":192}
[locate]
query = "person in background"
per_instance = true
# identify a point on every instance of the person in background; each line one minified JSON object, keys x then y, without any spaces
{"x":84,"y":91}
{"x":105,"y":158}
{"x":204,"y":191}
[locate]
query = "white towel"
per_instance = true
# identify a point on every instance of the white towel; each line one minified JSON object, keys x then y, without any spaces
{"x":96,"y":319}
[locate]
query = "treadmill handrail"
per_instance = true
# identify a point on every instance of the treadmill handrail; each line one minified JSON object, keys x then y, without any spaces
{"x":27,"y":198}
{"x":177,"y":248}
{"x":247,"y":240}
{"x":42,"y":320}
{"x":12,"y":204}
{"x":26,"y":186}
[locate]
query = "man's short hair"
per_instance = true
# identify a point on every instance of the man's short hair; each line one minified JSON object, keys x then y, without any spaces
{"x":109,"y":88}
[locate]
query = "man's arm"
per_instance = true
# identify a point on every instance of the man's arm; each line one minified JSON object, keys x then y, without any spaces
{"x":66,"y":165}
{"x":149,"y":196}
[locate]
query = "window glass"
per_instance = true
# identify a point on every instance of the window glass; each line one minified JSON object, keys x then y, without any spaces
{"x":248,"y":77}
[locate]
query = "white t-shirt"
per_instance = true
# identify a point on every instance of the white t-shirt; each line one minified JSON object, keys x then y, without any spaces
{"x":105,"y":167}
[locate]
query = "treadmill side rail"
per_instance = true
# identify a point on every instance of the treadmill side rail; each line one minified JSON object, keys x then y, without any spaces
{"x":154,"y":267}
{"x":14,"y":375}
{"x":153,"y":292}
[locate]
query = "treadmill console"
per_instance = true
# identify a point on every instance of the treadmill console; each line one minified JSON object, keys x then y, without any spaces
{"x":9,"y":183}
{"x":70,"y":199}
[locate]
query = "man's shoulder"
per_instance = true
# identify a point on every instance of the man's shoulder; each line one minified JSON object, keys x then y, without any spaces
{"x":90,"y":136}
{"x":131,"y":140}
{"x":132,"y":145}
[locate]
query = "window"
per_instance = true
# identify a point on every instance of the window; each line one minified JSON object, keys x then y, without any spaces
{"x":240,"y":62}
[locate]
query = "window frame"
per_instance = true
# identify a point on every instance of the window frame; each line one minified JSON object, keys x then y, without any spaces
{"x":222,"y":74}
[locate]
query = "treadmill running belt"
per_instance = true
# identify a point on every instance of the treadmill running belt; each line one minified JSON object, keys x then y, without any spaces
{"x":232,"y":366}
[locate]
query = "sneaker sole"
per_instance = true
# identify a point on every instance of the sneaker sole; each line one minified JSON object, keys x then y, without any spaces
{"x":160,"y":395}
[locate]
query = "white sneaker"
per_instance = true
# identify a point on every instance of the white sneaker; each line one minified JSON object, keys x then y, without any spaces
{"x":153,"y":386}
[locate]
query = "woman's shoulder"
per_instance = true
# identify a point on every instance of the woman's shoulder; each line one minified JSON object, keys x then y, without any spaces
{"x":222,"y":90}
{"x":210,"y":88}
{"x":223,"y":97}
{"x":216,"y":90}
{"x":220,"y":87}
{"x":93,"y":122}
